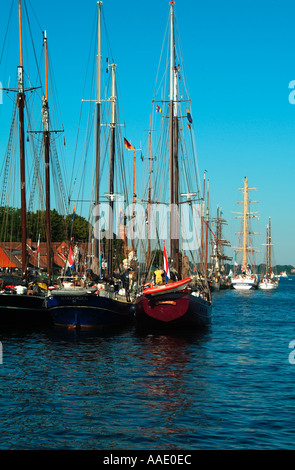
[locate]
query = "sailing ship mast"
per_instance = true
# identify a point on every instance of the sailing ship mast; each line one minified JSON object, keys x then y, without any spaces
{"x":202,"y":226}
{"x":268,"y":248}
{"x":173,"y":127}
{"x":98,"y":131}
{"x":149,"y":199}
{"x":46,"y":142}
{"x":21,"y":105}
{"x":218,"y":243}
{"x":207,"y":234}
{"x":112,"y":169}
{"x":246,"y":215}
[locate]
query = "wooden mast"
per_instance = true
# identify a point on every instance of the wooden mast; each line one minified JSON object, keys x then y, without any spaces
{"x":268,"y":247}
{"x":171,"y":128}
{"x":267,"y":250}
{"x":112,"y":169}
{"x":174,"y":171}
{"x":176,"y":184}
{"x":46,"y":142}
{"x":21,"y":105}
{"x":98,"y":131}
{"x":245,"y":224}
{"x":149,"y":198}
{"x":207,"y":233}
{"x":202,"y":226}
{"x":133,"y":200}
{"x":245,"y":231}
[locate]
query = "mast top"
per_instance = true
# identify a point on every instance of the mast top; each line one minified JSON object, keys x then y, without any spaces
{"x":20,"y":33}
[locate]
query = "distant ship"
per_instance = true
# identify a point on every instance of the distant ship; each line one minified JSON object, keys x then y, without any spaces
{"x":269,"y":280}
{"x":283,"y":274}
{"x":246,"y":279}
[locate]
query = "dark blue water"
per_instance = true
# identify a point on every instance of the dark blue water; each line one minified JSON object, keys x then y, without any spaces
{"x":231,"y":387}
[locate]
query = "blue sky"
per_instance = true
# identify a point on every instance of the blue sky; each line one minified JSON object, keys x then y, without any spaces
{"x":239,"y":61}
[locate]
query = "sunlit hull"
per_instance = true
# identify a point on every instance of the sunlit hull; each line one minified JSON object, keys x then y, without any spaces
{"x":245,"y":282}
{"x":173,"y":310}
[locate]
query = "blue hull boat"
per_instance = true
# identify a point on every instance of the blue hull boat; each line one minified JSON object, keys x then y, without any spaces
{"x":85,"y":309}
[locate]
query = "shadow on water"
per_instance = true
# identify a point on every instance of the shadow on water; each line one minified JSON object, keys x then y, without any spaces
{"x":81,"y":335}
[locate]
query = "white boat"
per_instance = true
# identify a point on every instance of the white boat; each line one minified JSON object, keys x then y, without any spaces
{"x":246,"y":279}
{"x":268,"y":284}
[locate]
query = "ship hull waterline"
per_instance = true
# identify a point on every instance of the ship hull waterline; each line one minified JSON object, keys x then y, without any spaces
{"x":245,"y":283}
{"x":174,"y":310}
{"x":267,"y":285}
{"x":89,"y":311}
{"x":17,"y":310}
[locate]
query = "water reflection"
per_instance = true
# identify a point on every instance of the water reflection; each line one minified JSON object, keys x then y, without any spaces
{"x":173,"y":366}
{"x":80,"y":336}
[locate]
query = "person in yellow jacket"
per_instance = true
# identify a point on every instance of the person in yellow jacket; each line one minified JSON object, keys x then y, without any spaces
{"x":158,"y":275}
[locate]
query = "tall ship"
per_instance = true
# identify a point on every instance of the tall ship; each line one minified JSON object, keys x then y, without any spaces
{"x":100,"y":299}
{"x":23,"y":292}
{"x":176,"y":296}
{"x":245,"y":278}
{"x":268,"y":281}
{"x":218,"y":277}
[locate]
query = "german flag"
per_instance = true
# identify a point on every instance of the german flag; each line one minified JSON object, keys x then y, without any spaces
{"x":128,"y":145}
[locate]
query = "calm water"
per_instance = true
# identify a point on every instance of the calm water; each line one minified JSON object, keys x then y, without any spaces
{"x":231,"y":387}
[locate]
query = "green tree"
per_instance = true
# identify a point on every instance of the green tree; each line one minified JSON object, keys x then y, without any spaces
{"x":79,"y":229}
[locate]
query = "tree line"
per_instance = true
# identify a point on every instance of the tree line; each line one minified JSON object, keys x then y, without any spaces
{"x":62,"y":227}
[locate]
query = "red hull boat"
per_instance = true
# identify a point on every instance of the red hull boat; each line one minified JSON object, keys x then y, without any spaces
{"x":182,"y":303}
{"x":167,"y":306}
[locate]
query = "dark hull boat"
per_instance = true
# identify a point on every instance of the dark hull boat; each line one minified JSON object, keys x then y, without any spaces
{"x":84,"y":309}
{"x":17,"y":310}
{"x":102,"y":306}
{"x":21,"y":305}
{"x":176,"y":310}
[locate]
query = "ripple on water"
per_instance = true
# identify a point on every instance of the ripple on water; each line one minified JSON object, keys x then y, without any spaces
{"x":229,"y":387}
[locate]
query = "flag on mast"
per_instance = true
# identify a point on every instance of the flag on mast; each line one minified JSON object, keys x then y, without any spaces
{"x":166,"y":265}
{"x":38,"y":248}
{"x":71,"y":258}
{"x":128,"y":145}
{"x":189,"y":117}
